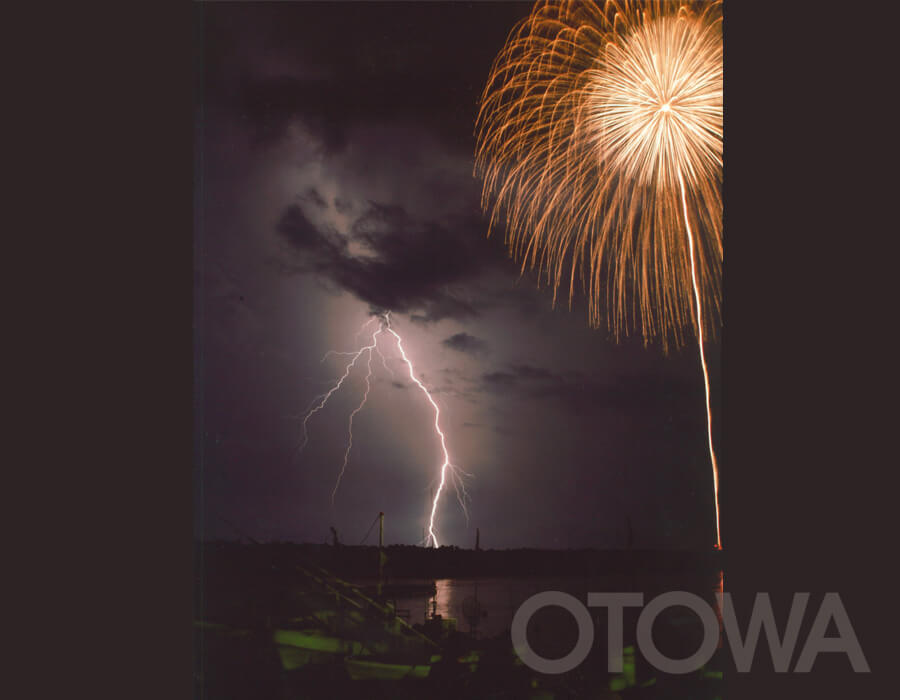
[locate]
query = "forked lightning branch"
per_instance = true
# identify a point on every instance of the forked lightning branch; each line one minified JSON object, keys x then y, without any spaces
{"x":363,"y":355}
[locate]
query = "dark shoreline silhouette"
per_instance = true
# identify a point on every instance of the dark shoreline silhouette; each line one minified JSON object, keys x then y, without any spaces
{"x":248,"y":597}
{"x":408,"y":561}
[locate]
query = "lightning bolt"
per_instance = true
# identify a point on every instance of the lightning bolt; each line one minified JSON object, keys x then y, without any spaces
{"x":323,"y":398}
{"x":446,"y":464}
{"x":354,"y":412}
{"x":447,"y":470}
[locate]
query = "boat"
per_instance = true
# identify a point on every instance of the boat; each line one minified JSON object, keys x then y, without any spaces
{"x":403,"y":589}
{"x":334,"y":620}
{"x":387,"y":668}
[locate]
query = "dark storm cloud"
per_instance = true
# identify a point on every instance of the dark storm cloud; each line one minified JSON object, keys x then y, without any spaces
{"x":312,"y":195}
{"x":328,"y":107}
{"x":400,"y":97}
{"x":463,"y":342}
{"x":271,"y":105}
{"x":342,"y":205}
{"x":322,"y":247}
{"x":445,"y":307}
{"x":275,"y":63}
{"x":408,"y":267}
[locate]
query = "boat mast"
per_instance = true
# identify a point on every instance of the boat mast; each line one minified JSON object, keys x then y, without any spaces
{"x":380,"y":548}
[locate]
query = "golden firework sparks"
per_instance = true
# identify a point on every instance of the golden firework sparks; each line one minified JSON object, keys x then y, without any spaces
{"x":599,"y":140}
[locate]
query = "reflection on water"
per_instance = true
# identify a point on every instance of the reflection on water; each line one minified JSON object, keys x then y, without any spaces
{"x":485,"y":607}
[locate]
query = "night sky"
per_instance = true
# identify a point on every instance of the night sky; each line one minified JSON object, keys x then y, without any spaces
{"x":335,"y":177}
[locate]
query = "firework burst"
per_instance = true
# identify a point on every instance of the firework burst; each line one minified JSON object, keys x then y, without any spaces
{"x":589,"y":115}
{"x":599,"y":140}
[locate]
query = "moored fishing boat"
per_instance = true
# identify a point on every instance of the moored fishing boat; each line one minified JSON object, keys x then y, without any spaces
{"x":389,"y":667}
